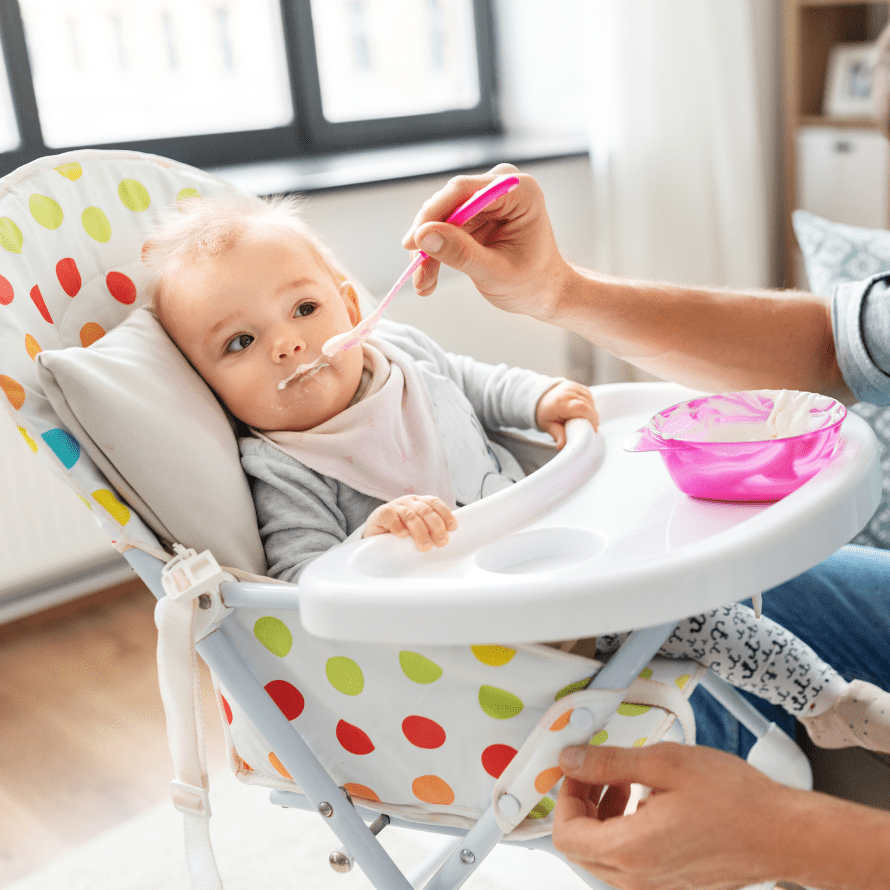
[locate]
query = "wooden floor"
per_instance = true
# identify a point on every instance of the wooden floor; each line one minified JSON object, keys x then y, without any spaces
{"x":82,"y":734}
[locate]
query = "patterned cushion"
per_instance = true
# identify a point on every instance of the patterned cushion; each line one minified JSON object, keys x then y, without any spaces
{"x":835,"y":253}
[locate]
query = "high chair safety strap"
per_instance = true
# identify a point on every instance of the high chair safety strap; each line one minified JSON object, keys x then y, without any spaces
{"x":186,"y":578}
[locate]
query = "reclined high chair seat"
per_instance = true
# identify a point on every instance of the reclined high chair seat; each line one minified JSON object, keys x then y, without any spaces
{"x":460,"y":738}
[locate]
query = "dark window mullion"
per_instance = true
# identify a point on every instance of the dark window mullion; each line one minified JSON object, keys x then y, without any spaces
{"x":21,"y":84}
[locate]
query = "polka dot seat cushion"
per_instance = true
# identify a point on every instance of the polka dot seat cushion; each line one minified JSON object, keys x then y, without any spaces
{"x":72,"y":229}
{"x":425,"y":733}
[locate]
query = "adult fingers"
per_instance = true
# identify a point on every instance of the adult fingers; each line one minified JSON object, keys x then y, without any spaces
{"x":659,"y":766}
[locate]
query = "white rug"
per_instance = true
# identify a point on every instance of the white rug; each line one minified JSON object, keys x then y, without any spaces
{"x":258,"y":845}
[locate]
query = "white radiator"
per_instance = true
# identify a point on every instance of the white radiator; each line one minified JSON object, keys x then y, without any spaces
{"x":51,"y":549}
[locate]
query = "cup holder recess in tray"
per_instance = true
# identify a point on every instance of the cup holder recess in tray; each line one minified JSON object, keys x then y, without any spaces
{"x":540,"y":550}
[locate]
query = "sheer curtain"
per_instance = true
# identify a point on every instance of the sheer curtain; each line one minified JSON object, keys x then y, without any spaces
{"x":680,"y":171}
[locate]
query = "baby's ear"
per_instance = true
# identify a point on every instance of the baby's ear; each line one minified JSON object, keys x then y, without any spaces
{"x":350,"y":298}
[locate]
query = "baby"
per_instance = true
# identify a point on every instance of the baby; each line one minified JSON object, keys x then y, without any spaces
{"x":390,"y":438}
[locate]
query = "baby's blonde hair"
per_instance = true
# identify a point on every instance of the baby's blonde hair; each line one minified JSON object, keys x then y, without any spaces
{"x":208,"y":227}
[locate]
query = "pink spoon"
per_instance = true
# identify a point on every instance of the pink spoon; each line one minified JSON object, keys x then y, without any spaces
{"x":349,"y":339}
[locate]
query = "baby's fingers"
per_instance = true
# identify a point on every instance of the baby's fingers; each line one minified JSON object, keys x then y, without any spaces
{"x":428,"y":521}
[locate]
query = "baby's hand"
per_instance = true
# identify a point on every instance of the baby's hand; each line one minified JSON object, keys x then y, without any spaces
{"x":424,"y":517}
{"x":561,"y":403}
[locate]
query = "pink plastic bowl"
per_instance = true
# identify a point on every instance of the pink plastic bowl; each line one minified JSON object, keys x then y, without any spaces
{"x":765,"y":469}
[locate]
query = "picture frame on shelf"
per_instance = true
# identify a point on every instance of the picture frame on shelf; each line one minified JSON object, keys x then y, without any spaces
{"x":850,"y":82}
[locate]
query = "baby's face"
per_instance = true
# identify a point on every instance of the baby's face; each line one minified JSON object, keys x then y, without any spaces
{"x":248,"y":318}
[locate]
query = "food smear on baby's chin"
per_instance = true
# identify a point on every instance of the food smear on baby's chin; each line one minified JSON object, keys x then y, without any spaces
{"x":303,"y":372}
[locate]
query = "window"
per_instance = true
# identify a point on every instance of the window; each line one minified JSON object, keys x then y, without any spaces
{"x":216,"y":81}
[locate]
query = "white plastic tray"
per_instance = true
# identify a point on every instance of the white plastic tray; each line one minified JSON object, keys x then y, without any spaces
{"x":598,"y":540}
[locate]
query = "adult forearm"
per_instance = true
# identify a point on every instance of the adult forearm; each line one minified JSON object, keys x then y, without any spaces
{"x":834,"y":844}
{"x":707,"y":338}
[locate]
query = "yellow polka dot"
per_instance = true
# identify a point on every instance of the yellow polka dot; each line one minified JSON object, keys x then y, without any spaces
{"x":112,"y":505}
{"x":32,"y":346}
{"x":547,"y":778}
{"x":279,"y":766}
{"x":70,"y":171}
{"x":640,"y":742}
{"x":682,"y":681}
{"x":627,"y":710}
{"x":10,"y":235}
{"x":185,"y":194}
{"x":493,"y":655}
{"x":646,"y":674}
{"x":600,"y":737}
{"x":31,"y":443}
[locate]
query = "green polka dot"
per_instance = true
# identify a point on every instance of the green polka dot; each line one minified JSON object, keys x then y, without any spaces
{"x":577,"y":686}
{"x":185,"y":194}
{"x":96,"y":224}
{"x":601,"y":737}
{"x":542,"y":808}
{"x":499,"y":703}
{"x":134,"y":195}
{"x":274,"y":635}
{"x":418,"y":668}
{"x":627,"y":710}
{"x":46,"y":211}
{"x":10,"y":235}
{"x":646,"y":673}
{"x":345,"y":675}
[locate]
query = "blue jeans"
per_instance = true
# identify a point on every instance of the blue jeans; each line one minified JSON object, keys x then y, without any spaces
{"x":842,"y":609}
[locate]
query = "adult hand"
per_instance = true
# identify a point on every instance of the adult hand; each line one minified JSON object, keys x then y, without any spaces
{"x":508,"y":250}
{"x":425,"y":518}
{"x":711,"y":821}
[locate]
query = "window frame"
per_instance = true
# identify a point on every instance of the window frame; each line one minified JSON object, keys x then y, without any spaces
{"x":308,"y":135}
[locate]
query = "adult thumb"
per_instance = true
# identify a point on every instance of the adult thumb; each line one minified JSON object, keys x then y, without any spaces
{"x":449,"y":245}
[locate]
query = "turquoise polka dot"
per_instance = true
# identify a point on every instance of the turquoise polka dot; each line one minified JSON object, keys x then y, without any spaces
{"x":64,"y":445}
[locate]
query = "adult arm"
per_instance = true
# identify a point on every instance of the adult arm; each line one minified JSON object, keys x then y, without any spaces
{"x":708,"y":338}
{"x":712,"y":821}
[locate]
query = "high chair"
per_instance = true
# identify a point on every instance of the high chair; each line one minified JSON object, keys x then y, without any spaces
{"x":390,"y":685}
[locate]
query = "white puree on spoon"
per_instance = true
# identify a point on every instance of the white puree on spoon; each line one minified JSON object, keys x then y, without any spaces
{"x":792,"y":415}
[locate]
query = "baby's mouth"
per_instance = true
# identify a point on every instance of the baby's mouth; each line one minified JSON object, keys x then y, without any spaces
{"x":305,"y":371}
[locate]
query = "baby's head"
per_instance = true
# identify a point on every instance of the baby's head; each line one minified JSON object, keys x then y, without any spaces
{"x":248,"y":292}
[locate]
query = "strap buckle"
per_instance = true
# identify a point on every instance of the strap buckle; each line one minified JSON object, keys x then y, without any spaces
{"x":189,"y":799}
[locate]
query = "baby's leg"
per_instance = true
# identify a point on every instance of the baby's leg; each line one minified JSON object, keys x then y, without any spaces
{"x":762,"y":657}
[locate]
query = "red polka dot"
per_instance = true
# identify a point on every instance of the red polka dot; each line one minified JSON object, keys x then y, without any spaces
{"x":495,"y":759}
{"x":423,"y":732}
{"x":353,"y":739}
{"x":227,"y":709}
{"x":121,"y":287}
{"x":289,"y":699}
{"x":37,"y":297}
{"x":6,"y":292}
{"x":69,"y":276}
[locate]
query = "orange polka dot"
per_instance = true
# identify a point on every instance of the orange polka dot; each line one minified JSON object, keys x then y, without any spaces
{"x":432,"y":789}
{"x":279,"y":766}
{"x":547,"y":778}
{"x":90,"y":333}
{"x":32,"y":346}
{"x":14,"y":391}
{"x":561,"y":722}
{"x":362,"y":791}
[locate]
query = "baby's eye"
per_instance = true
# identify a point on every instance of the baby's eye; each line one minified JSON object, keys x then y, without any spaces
{"x":236,"y":344}
{"x":305,"y":309}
